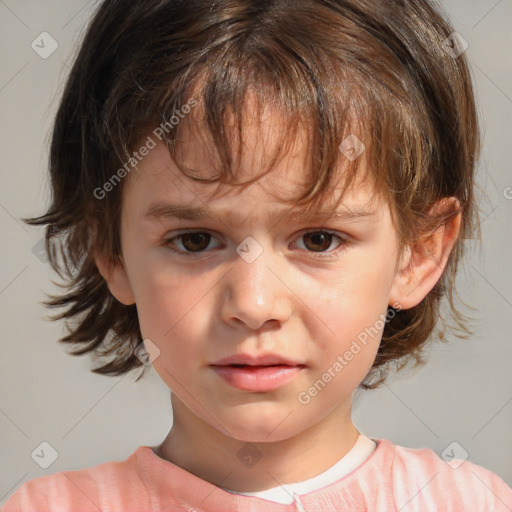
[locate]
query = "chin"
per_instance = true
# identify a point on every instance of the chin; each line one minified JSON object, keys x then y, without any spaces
{"x":260,"y":427}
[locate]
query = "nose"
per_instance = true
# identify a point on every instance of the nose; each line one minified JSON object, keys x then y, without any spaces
{"x":255,"y":294}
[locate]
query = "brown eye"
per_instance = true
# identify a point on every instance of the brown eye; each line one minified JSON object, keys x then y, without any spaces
{"x":198,"y":242}
{"x":318,"y":241}
{"x":191,"y":242}
{"x":195,"y":242}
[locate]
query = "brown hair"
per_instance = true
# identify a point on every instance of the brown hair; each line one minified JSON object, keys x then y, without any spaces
{"x":379,"y":69}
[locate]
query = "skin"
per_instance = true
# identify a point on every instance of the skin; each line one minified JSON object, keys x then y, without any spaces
{"x":199,"y":307}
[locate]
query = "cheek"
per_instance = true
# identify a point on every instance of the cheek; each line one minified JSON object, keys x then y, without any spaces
{"x":352,"y":314}
{"x":162,"y":296}
{"x":353,"y":298}
{"x":171,"y":311}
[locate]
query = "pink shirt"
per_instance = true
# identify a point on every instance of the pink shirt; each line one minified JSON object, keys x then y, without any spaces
{"x":392,"y":479}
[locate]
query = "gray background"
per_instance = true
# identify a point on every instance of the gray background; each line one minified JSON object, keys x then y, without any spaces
{"x":464,"y":394}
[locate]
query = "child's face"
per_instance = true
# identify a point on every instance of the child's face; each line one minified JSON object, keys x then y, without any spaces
{"x":319,"y":303}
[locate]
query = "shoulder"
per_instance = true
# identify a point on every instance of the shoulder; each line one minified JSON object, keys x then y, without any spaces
{"x":419,"y":474}
{"x":55,"y":492}
{"x":94,"y":488}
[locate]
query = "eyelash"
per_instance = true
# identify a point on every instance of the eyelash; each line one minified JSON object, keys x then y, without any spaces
{"x":168,"y":242}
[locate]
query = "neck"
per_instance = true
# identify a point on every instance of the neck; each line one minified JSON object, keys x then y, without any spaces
{"x":204,"y":451}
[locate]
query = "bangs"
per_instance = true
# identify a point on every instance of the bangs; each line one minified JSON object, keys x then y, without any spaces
{"x":218,"y":126}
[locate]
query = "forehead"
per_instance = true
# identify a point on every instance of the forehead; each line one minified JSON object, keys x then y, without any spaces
{"x":158,"y":179}
{"x":161,"y":191}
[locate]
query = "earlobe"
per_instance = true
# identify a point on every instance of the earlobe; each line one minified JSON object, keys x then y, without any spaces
{"x":116,"y":278}
{"x":424,"y":263}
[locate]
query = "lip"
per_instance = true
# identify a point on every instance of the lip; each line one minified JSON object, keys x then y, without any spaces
{"x":250,"y":360}
{"x":259,"y":373}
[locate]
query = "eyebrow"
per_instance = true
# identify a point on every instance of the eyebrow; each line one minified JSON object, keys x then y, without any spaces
{"x":165,"y":210}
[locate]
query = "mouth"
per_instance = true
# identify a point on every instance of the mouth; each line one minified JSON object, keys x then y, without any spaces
{"x":258,"y":378}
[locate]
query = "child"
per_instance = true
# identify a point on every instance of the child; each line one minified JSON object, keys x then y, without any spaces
{"x":203,"y":155}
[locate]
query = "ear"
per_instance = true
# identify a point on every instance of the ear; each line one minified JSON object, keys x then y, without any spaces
{"x":116,"y":278}
{"x":423,"y":264}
